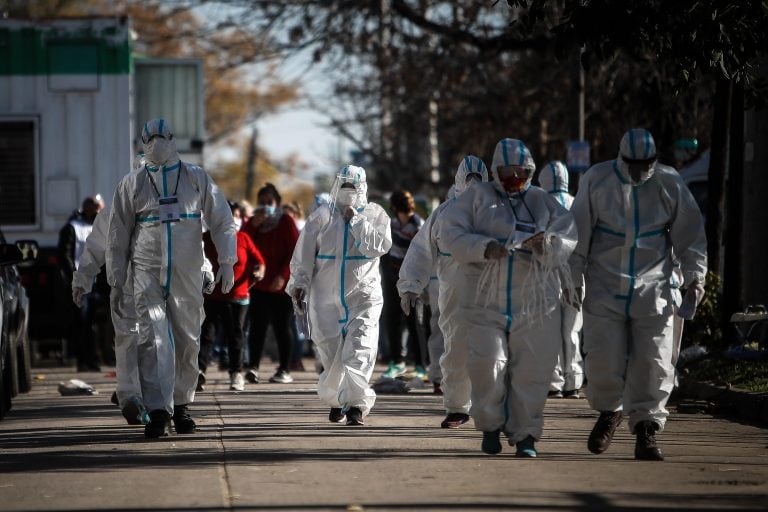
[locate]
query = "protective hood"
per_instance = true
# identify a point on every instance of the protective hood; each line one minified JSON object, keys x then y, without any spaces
{"x":636,"y":144}
{"x":554,"y":177}
{"x":511,"y":152}
{"x":319,"y":200}
{"x":469,"y":164}
{"x":356,"y":176}
{"x":161,"y":150}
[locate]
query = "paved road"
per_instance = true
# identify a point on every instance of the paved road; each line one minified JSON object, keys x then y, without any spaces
{"x":272,"y":448}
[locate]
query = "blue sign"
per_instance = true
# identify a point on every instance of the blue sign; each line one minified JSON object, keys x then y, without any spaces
{"x":577,"y":156}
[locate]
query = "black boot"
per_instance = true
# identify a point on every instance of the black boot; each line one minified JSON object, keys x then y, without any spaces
{"x":645,"y":444}
{"x":336,"y":415}
{"x":602,"y":433}
{"x":182,"y":421}
{"x":158,"y":424}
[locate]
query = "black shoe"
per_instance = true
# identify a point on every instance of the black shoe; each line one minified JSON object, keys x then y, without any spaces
{"x":200,"y":381}
{"x":114,"y":399}
{"x":602,"y":433}
{"x":252,"y":376}
{"x":182,"y":421}
{"x":491,"y":444}
{"x":355,"y":416}
{"x":571,"y":393}
{"x":645,"y":444}
{"x":454,"y":420}
{"x":158,"y":424}
{"x":336,"y":415}
{"x":555,"y":394}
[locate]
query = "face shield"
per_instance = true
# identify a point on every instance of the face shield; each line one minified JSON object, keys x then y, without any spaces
{"x":158,"y":142}
{"x":348,"y":188}
{"x":637,"y":155}
{"x":639,"y":170}
{"x":514,"y":178}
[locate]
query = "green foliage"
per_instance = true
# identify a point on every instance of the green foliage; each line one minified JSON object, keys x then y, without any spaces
{"x":751,"y":375}
{"x":705,"y":328}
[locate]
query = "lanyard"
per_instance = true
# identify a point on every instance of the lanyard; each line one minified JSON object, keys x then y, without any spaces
{"x":152,"y":181}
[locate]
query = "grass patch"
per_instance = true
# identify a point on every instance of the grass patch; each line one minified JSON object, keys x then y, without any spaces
{"x":750,"y":375}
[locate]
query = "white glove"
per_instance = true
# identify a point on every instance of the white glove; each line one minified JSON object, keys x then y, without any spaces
{"x":78,"y":296}
{"x":408,"y":301}
{"x":494,"y":251}
{"x":225,"y":276}
{"x":693,"y":296}
{"x":208,"y":282}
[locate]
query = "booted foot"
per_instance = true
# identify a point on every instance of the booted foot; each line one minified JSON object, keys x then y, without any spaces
{"x":355,"y":416}
{"x":158,"y":424}
{"x":200,"y":382}
{"x":281,"y":377}
{"x":555,"y":394}
{"x":114,"y":399}
{"x":526,"y":448}
{"x":394,"y":370}
{"x":236,"y":381}
{"x":252,"y":376}
{"x":182,"y":421}
{"x":437,"y":388}
{"x":491,"y":444}
{"x":602,"y":433}
{"x":336,"y":415}
{"x":135,"y":413}
{"x":645,"y":444}
{"x":571,"y":393}
{"x":454,"y":420}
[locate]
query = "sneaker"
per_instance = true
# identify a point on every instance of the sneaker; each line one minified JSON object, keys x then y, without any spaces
{"x":555,"y":394}
{"x":200,"y":381}
{"x":602,"y":433}
{"x":437,"y":389}
{"x":491,"y":444}
{"x":236,"y":381}
{"x":454,"y":420}
{"x":281,"y":377}
{"x":135,"y":413}
{"x":158,"y":424}
{"x":355,"y":416}
{"x":182,"y":421}
{"x":645,"y":444}
{"x":420,"y":373}
{"x":252,"y":376}
{"x":394,"y":370}
{"x":336,"y":415}
{"x":571,"y":393}
{"x":114,"y":399}
{"x":526,"y":448}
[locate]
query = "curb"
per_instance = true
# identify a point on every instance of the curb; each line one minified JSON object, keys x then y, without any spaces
{"x":727,"y":401}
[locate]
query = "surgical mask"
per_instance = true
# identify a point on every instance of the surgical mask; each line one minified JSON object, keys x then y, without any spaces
{"x":346,"y":197}
{"x":270,"y":210}
{"x":159,"y":151}
{"x":238,"y":223}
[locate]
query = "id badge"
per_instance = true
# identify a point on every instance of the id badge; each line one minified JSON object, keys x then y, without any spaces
{"x":169,"y":209}
{"x":522,"y":233}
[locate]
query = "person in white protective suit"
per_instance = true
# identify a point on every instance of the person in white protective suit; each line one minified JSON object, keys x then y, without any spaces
{"x":335,"y":267}
{"x":513,"y":242}
{"x":155,"y":228}
{"x":123,"y":319}
{"x":568,"y":375}
{"x":423,"y":261}
{"x":632,"y":213}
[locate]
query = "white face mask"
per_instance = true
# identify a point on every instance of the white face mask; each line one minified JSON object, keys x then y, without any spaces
{"x":238,"y":223}
{"x":159,"y":151}
{"x":346,"y":197}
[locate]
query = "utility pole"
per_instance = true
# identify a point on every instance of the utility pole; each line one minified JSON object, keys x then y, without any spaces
{"x":250,"y":165}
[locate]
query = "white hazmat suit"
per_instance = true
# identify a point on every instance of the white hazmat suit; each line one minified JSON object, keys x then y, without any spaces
{"x":336,"y":265}
{"x":506,"y":311}
{"x":627,"y":232}
{"x":426,"y":259}
{"x":569,"y":373}
{"x":155,"y":228}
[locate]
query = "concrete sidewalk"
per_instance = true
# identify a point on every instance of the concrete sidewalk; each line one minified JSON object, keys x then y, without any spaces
{"x":272,"y":448}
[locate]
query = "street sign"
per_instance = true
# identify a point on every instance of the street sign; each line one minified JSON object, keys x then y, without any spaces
{"x":577,"y":156}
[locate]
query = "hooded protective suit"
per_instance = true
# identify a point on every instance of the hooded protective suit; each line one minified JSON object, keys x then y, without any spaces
{"x":155,"y":228}
{"x":569,"y":373}
{"x":124,"y":319}
{"x":627,"y":232}
{"x":506,"y":303}
{"x":336,"y":263}
{"x":425,"y":265}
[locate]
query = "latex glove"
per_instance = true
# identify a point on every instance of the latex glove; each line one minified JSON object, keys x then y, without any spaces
{"x":408,"y":301}
{"x":225,"y":276}
{"x":691,"y":300}
{"x":535,"y":243}
{"x":208,"y":282}
{"x":494,"y":251}
{"x":258,"y":272}
{"x":78,"y":296}
{"x":348,"y":213}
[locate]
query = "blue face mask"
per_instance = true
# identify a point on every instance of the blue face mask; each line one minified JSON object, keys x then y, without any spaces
{"x":270,"y":210}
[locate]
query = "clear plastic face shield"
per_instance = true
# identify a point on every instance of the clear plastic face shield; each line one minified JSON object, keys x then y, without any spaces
{"x":514,"y":178}
{"x":639,"y":170}
{"x":345,"y":189}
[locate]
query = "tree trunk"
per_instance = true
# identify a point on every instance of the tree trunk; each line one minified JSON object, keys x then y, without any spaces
{"x":250,"y":165}
{"x":718,"y":165}
{"x":734,"y":219}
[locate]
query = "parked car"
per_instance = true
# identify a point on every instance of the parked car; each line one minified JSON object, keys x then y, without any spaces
{"x":15,"y":354}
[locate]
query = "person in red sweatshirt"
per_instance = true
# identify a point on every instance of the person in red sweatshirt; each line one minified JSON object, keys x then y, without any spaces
{"x":228,"y":311}
{"x":275,"y":235}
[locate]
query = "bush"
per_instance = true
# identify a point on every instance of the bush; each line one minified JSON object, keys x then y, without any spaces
{"x":705,"y":328}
